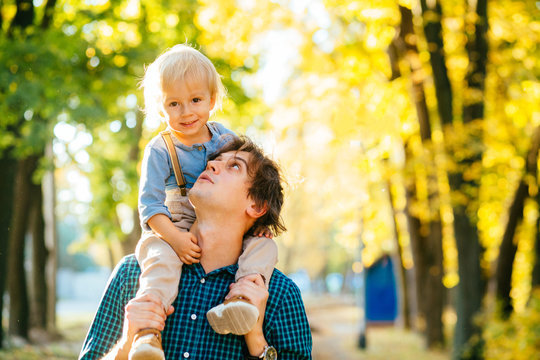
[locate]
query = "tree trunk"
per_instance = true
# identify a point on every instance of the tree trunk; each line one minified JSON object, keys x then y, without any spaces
{"x":39,"y":259}
{"x":427,"y":257}
{"x":508,"y":248}
{"x":431,"y":18}
{"x":18,"y":304}
{"x":9,"y":168}
{"x":427,"y":244}
{"x":471,"y":287}
{"x":49,"y":206}
{"x":130,"y":241}
{"x":535,"y":281}
{"x":48,"y":14}
{"x":400,"y":268}
{"x":24,"y":16}
{"x":419,"y":265}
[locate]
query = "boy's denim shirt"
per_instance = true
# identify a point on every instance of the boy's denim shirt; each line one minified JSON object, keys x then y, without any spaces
{"x":157,"y":174}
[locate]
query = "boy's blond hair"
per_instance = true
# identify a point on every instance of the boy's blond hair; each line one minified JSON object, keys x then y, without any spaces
{"x":179,"y":63}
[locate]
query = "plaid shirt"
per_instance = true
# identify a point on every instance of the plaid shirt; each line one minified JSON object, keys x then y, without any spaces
{"x":187,"y":334}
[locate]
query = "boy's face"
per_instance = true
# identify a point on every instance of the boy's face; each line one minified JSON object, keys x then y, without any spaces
{"x":186,"y":107}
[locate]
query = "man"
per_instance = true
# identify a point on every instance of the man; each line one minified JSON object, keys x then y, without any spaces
{"x":239,"y":189}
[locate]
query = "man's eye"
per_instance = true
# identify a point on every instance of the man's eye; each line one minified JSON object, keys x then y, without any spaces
{"x":235,"y":166}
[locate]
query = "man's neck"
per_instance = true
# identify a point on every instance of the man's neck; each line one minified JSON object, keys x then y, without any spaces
{"x":220,"y":242}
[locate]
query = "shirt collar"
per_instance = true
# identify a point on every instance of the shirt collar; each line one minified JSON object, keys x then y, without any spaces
{"x":198,"y":270}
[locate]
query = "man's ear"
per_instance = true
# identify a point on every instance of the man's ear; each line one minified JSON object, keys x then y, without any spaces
{"x":256,"y":211}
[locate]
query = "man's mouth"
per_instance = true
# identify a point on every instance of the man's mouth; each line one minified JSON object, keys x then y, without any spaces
{"x":205,"y":178}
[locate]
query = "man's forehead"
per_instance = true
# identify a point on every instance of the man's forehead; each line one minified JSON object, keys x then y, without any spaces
{"x":235,"y":154}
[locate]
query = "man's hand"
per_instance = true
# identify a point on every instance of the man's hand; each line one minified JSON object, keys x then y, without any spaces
{"x":185,"y":246}
{"x":252,"y":289}
{"x":143,"y":312}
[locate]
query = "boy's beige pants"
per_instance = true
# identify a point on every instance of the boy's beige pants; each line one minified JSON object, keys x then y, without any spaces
{"x":161,"y":268}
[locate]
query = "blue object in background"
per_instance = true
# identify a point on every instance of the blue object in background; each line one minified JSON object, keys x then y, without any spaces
{"x":381,"y":291}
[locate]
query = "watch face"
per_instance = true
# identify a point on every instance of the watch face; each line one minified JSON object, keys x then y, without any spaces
{"x":271,"y":353}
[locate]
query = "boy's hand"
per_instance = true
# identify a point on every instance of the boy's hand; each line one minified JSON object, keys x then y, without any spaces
{"x":185,"y":246}
{"x":263,"y":231}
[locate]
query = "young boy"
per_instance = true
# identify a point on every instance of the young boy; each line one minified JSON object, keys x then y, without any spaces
{"x":183,"y":88}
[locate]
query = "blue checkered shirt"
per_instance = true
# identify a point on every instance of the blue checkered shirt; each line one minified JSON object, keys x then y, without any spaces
{"x":187,"y":333}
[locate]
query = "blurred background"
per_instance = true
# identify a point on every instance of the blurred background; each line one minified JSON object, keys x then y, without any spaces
{"x":408,"y":132}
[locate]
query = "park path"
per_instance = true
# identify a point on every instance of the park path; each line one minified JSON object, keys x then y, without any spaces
{"x":335,"y":328}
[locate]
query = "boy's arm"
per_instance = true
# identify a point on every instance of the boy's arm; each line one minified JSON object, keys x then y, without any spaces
{"x":183,"y":243}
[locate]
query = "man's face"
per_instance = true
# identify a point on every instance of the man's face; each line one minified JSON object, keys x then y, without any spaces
{"x":224,"y":183}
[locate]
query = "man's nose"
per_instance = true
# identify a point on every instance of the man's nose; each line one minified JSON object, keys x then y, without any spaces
{"x":213,"y":166}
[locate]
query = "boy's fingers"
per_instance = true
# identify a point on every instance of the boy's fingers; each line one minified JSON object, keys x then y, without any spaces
{"x":193,"y":238}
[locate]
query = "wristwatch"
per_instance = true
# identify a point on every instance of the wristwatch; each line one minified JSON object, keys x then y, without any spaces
{"x":269,"y":353}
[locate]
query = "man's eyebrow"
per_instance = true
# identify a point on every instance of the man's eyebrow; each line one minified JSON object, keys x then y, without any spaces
{"x":242,"y":160}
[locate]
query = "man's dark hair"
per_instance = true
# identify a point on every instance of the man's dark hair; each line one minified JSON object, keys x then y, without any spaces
{"x":266,"y":182}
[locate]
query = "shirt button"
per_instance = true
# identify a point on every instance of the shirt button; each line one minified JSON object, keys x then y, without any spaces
{"x":193,"y":317}
{"x":186,"y":354}
{"x":203,"y":281}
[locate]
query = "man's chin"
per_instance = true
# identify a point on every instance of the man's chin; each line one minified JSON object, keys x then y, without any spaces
{"x":196,"y":195}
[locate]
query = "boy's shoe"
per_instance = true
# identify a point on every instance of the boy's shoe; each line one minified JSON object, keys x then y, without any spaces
{"x":147,"y":346}
{"x":235,"y":316}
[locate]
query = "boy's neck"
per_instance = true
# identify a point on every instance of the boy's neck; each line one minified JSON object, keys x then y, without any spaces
{"x":220,"y":242}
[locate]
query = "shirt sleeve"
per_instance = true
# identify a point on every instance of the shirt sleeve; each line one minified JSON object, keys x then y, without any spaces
{"x":290,"y":333}
{"x":154,"y":173}
{"x":106,"y":329}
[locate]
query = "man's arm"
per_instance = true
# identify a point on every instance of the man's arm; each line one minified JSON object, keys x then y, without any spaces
{"x":141,"y":313}
{"x":118,"y":318}
{"x":289,"y":330}
{"x":106,"y":327}
{"x":253,"y":289}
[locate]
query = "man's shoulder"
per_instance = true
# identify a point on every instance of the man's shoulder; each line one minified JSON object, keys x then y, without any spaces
{"x":282,"y":285}
{"x":128,"y":267}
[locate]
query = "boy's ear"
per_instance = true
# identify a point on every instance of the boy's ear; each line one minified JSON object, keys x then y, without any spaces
{"x":212,"y":102}
{"x":256,"y":211}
